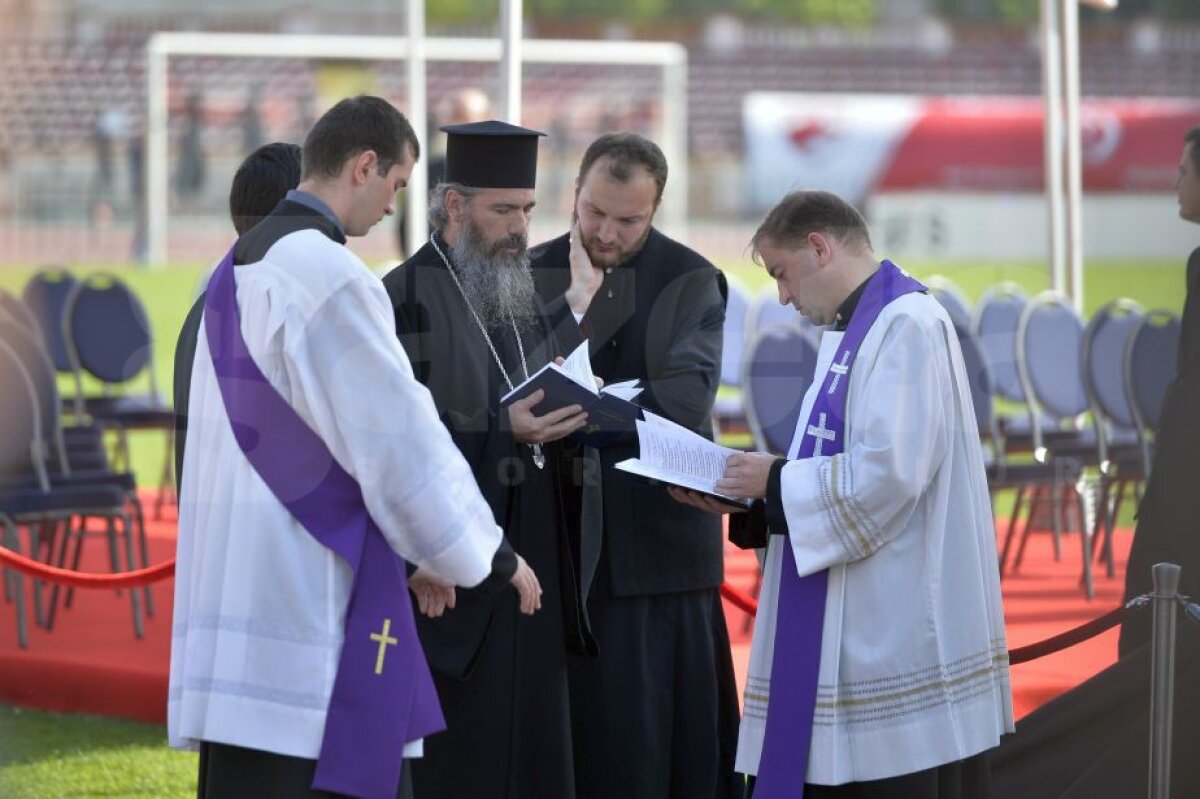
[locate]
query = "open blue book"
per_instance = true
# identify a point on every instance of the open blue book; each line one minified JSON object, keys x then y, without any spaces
{"x":670,"y":453}
{"x":611,"y":410}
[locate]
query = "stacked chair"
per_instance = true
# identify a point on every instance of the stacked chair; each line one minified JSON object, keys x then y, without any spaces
{"x":1004,"y":472}
{"x":777,"y":373}
{"x":1119,"y":452}
{"x":951,"y":297}
{"x":107,"y":336}
{"x":64,"y":478}
{"x":52,"y":489}
{"x":1049,"y":343}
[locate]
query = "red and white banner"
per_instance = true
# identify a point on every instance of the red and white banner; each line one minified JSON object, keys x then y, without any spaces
{"x":862,"y":145}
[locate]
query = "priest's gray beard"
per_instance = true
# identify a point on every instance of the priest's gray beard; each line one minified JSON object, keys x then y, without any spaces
{"x":498,"y":282}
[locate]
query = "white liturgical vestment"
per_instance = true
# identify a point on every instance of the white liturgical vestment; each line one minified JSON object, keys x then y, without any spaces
{"x":914,"y":666}
{"x":259,"y":603}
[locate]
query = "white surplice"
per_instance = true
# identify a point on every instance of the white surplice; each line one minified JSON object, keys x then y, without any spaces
{"x":914,"y":666}
{"x":259,"y":603}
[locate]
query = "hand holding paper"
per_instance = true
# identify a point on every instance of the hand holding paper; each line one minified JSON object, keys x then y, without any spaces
{"x":673,"y":454}
{"x":746,"y":474}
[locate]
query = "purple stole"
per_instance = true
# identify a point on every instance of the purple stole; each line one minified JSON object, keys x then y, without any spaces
{"x":800,"y":615}
{"x":383,"y":695}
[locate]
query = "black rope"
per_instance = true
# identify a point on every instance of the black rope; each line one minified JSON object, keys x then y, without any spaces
{"x":1083,"y":632}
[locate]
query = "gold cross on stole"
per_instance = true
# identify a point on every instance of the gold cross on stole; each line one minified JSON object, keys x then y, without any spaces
{"x":384,"y":640}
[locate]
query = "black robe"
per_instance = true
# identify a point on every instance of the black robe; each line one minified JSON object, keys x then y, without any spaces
{"x":501,"y":676}
{"x":658,"y":318}
{"x":656,"y":714}
{"x":1168,"y":527}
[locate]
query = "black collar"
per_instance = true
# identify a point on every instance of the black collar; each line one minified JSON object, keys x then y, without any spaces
{"x":287,"y":217}
{"x":846,"y":309}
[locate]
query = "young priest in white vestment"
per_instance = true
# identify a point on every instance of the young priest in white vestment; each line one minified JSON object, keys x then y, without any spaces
{"x":262,"y":601}
{"x":908,"y":684}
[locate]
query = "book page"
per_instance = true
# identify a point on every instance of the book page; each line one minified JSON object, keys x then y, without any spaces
{"x":654,"y":419}
{"x":578,"y":367}
{"x":683,"y":452}
{"x":625,"y":390}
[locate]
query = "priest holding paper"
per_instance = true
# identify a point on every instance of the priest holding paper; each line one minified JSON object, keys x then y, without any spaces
{"x":878,"y":666}
{"x":471,"y":323}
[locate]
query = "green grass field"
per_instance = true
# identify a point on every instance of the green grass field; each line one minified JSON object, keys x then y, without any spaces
{"x":53,"y":756}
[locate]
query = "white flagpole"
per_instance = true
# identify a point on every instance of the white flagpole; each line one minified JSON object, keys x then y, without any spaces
{"x":511,"y":15}
{"x":417,"y":193}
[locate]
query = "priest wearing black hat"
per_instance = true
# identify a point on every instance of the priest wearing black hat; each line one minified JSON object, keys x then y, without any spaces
{"x":469,"y":318}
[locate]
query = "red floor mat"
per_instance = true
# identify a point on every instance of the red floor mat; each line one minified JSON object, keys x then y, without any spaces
{"x":92,"y":663}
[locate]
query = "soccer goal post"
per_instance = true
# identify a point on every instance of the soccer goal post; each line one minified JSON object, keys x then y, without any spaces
{"x":669,"y":57}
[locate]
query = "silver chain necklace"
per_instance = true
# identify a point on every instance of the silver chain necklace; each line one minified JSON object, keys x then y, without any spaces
{"x":539,"y":459}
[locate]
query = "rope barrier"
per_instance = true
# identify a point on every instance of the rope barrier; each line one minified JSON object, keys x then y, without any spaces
{"x":1071,"y":637}
{"x":1083,"y":632}
{"x":74,"y":579}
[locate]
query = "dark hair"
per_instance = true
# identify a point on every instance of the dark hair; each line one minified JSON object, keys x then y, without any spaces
{"x":352,"y":127}
{"x":262,"y":180}
{"x":1192,"y":137}
{"x":803,"y":212}
{"x":625,"y":151}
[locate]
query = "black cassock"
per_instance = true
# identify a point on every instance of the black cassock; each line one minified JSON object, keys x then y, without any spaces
{"x":1168,"y":527}
{"x":501,"y":676}
{"x":656,"y":714}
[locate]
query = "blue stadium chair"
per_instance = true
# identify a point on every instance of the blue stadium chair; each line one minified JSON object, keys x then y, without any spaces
{"x":29,"y":498}
{"x":952,"y":299}
{"x":81,"y":462}
{"x":1151,"y":366}
{"x":46,"y":296}
{"x":1050,"y":365}
{"x":1053,"y":476}
{"x":1049,"y":345}
{"x":1105,"y":341}
{"x":107,"y":333}
{"x":994,"y":323}
{"x":779,"y":367}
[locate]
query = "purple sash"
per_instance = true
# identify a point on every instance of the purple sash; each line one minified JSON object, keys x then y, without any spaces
{"x":801,"y":611}
{"x":383,"y":695}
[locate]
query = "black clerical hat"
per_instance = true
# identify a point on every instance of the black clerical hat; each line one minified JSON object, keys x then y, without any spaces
{"x":491,"y":155}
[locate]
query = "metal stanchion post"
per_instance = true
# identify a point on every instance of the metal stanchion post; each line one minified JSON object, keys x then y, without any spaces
{"x":1162,"y":678}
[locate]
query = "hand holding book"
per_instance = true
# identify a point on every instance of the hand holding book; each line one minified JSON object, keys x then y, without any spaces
{"x":610,"y":409}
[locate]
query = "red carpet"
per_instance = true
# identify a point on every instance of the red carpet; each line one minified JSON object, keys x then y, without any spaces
{"x":92,"y":663}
